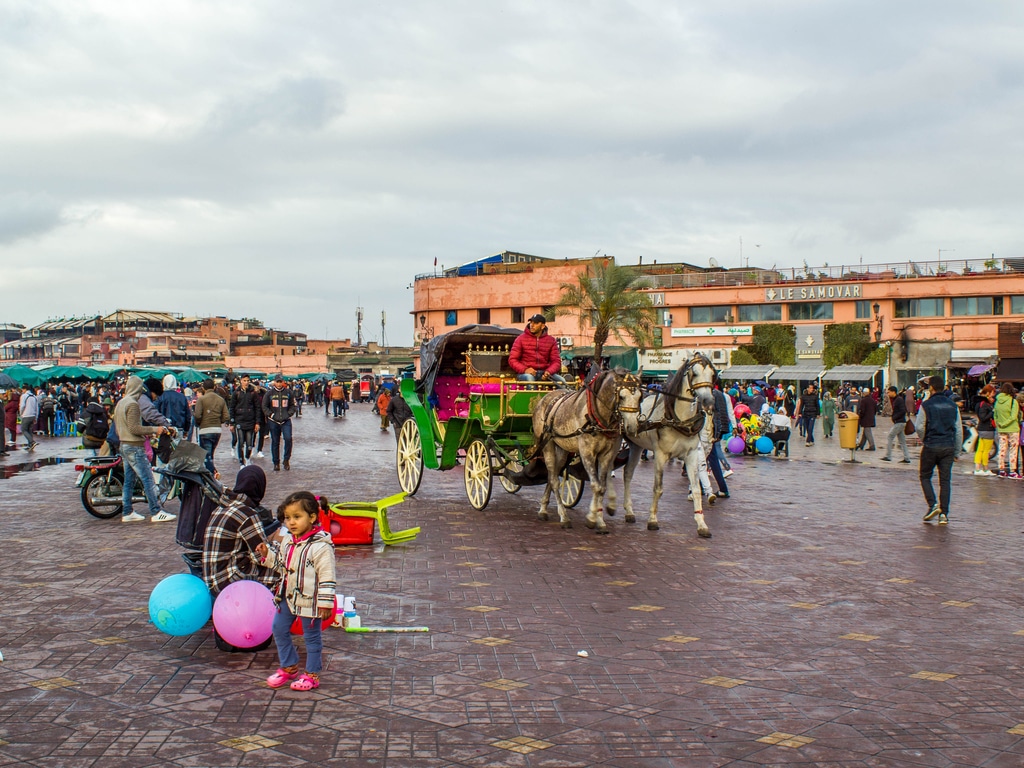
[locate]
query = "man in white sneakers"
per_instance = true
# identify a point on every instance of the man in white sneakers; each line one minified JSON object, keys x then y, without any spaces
{"x":133,"y":436}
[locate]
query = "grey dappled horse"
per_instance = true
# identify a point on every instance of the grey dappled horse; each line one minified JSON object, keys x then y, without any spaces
{"x":669,"y":425}
{"x":590,"y":422}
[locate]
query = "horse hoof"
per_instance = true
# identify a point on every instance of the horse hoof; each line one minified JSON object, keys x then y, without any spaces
{"x":603,"y":531}
{"x":590,"y":524}
{"x":704,"y":534}
{"x":630,"y":518}
{"x":543,"y":516}
{"x":610,"y":512}
{"x":567,"y":524}
{"x":656,"y":527}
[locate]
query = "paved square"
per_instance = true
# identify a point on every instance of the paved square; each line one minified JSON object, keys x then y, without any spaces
{"x":823,"y":624}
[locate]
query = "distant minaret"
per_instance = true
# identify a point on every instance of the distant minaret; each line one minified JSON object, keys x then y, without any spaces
{"x":359,"y":326}
{"x":383,"y":333}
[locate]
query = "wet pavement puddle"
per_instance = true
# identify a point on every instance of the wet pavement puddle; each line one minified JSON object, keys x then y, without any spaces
{"x":9,"y":470}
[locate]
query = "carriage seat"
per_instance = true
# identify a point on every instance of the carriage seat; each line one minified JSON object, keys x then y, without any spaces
{"x":452,"y":393}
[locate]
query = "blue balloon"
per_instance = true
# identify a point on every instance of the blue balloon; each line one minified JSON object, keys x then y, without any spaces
{"x":764,"y":444}
{"x":180,"y":604}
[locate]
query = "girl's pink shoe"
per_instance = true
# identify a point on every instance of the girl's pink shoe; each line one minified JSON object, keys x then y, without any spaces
{"x":305,"y":683}
{"x":280,"y":678}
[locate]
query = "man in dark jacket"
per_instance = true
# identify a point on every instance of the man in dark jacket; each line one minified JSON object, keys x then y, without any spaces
{"x":398,"y":411}
{"x":243,"y":410}
{"x":899,"y":421}
{"x":807,"y":410}
{"x":866,"y":409}
{"x":942,"y":436}
{"x":174,"y":405}
{"x":279,"y":407}
{"x":534,"y":354}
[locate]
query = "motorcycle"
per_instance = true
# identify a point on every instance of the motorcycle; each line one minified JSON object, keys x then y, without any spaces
{"x":101,"y":479}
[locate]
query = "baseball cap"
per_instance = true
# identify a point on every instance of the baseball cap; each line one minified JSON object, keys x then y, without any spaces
{"x":279,"y":377}
{"x":538,"y":318}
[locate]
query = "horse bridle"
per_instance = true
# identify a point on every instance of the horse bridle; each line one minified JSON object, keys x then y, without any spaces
{"x":695,"y":385}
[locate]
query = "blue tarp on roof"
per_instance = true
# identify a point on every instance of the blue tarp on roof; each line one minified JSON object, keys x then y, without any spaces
{"x":477,"y":267}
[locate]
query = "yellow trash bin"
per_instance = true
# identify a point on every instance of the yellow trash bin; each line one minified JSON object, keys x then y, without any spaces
{"x":848,"y":424}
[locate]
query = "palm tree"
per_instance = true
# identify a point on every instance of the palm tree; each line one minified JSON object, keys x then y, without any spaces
{"x":607,"y":297}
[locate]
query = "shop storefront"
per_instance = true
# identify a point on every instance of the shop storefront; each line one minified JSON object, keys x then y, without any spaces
{"x":1011,"y":353}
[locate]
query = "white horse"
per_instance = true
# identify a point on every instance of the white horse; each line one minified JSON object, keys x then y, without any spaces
{"x":590,"y":422}
{"x":669,"y":425}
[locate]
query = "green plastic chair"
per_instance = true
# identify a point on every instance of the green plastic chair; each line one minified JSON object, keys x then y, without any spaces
{"x":378,"y":510}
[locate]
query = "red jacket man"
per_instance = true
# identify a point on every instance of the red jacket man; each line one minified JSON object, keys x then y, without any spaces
{"x":534,"y":354}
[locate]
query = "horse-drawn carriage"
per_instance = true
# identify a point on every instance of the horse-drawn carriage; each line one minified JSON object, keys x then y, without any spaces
{"x":468,"y":407}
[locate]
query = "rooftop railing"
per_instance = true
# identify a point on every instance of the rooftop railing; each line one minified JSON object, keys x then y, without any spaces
{"x":757,"y":276}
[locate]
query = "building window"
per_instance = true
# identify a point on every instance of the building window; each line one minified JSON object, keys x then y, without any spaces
{"x":1017,"y":305}
{"x":814,"y":310}
{"x":756,"y":313}
{"x":710,"y":314}
{"x":451,"y":317}
{"x":863,"y":310}
{"x":517,"y":315}
{"x":978,"y":305}
{"x":919,"y":308}
{"x":483,"y":316}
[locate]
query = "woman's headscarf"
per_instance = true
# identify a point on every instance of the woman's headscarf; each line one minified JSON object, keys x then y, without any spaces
{"x":252,"y":481}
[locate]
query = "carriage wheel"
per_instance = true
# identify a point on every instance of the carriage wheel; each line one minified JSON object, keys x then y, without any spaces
{"x":570,"y":490}
{"x":507,"y":483}
{"x":477,"y":472}
{"x":409,"y":457}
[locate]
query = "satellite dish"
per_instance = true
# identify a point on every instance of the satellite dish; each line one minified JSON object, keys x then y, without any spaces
{"x":713,"y":262}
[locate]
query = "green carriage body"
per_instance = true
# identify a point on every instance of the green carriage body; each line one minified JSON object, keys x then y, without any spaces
{"x":467,"y":404}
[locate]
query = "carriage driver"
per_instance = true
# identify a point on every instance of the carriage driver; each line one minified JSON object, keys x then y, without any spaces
{"x":534,"y":354}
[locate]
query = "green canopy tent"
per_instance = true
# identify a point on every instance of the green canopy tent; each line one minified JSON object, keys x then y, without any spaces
{"x":25,"y":376}
{"x":73,"y":373}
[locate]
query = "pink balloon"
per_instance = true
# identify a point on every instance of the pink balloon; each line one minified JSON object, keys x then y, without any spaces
{"x":244,"y":614}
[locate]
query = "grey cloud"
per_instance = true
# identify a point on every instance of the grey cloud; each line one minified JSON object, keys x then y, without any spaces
{"x":24,"y":215}
{"x":300,"y":105}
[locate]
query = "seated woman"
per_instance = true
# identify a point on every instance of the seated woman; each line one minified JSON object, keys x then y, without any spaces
{"x":233,"y":533}
{"x":779,"y":431}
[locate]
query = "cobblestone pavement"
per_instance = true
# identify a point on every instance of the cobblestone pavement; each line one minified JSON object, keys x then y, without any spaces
{"x":823,"y":625}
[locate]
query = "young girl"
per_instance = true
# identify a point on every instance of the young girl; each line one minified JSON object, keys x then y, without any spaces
{"x":306,"y":561}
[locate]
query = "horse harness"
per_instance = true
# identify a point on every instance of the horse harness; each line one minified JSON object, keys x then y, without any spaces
{"x":593,"y":423}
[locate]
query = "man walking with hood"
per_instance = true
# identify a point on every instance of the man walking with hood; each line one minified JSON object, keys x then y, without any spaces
{"x":133,"y":436}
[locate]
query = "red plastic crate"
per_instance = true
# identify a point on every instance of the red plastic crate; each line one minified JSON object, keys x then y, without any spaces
{"x":347,"y":530}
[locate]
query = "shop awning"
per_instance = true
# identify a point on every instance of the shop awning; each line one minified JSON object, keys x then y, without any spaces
{"x":851,"y":373}
{"x":800,"y":372}
{"x":746,"y":372}
{"x":967,"y":363}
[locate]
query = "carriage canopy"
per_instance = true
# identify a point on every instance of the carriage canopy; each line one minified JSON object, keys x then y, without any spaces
{"x":445,"y":353}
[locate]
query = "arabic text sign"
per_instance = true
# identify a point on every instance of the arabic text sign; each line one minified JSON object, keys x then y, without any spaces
{"x":713,"y":330}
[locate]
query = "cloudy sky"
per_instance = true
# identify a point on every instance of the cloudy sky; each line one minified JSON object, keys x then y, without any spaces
{"x":294,"y":160}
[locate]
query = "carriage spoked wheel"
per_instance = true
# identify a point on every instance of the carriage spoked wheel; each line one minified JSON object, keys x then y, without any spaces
{"x":510,"y":485}
{"x":409,"y":457}
{"x":570,"y":490}
{"x":478,"y":474}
